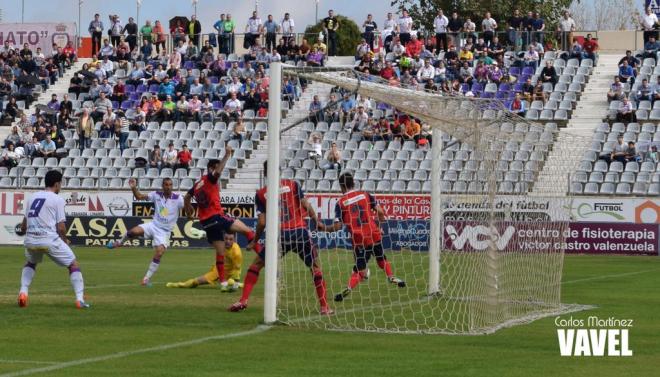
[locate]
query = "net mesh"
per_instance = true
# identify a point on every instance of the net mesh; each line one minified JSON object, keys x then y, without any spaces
{"x":505,"y":222}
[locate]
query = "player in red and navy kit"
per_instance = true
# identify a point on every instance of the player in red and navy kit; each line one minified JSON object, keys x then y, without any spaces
{"x":359,"y":212}
{"x":294,"y":236}
{"x":206,"y":192}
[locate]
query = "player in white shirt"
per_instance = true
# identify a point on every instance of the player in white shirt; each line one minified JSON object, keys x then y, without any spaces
{"x":167,"y":206}
{"x":44,"y":223}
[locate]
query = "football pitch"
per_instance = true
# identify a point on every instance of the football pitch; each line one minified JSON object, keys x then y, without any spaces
{"x":137,"y":331}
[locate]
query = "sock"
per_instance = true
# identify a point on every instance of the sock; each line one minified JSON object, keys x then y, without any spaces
{"x":220,"y":266}
{"x":26,"y":276}
{"x":250,"y":237}
{"x":354,"y":280}
{"x":190,"y":283}
{"x":77,"y":283}
{"x":319,"y":284}
{"x":251,"y":279}
{"x":153,"y":267}
{"x":385,"y":266}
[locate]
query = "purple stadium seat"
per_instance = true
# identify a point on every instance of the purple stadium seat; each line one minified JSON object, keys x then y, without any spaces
{"x":141,"y":88}
{"x":115,"y":105}
{"x":135,"y":96}
{"x":153,"y":88}
{"x":130,"y":88}
{"x":514,"y":71}
{"x":214,"y":79}
{"x":189,"y":65}
{"x":486,"y":94}
{"x":505,"y":87}
{"x":125,"y":105}
{"x":501,"y":95}
{"x":518,"y":87}
{"x":528,"y":71}
{"x":217,"y":105}
{"x":464,"y":88}
{"x":477,"y":88}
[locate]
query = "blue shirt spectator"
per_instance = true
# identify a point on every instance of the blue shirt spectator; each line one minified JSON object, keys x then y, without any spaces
{"x":166,"y":88}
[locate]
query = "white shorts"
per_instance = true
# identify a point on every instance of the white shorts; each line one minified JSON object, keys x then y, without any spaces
{"x":57,"y":250}
{"x":157,"y":235}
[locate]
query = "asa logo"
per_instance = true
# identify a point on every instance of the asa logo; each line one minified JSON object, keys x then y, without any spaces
{"x":480,"y":237}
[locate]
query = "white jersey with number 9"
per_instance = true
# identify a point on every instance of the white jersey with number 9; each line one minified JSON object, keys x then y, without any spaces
{"x":44,"y":210}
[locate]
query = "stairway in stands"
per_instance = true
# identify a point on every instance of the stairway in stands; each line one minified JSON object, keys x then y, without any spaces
{"x":573,"y":140}
{"x":247,"y":178}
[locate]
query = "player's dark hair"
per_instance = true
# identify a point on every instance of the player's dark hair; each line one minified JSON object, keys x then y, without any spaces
{"x":212,"y":163}
{"x":53,"y":177}
{"x":346,"y":181}
{"x":167,"y":179}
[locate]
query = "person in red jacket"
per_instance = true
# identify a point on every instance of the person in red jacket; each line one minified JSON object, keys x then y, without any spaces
{"x":414,"y":47}
{"x":183,"y":158}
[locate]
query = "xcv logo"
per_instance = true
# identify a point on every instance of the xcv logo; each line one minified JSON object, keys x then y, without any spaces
{"x":479,"y":237}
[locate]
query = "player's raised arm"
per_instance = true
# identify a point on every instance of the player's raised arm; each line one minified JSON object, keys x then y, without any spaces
{"x":138,"y":195}
{"x":261,"y":227}
{"x":221,"y":167}
{"x":187,"y":205}
{"x":336,"y":225}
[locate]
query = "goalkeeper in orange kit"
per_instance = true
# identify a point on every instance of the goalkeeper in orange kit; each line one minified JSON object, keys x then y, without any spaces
{"x":233,"y":266}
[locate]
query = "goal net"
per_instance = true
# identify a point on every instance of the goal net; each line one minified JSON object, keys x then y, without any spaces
{"x":475,"y":221}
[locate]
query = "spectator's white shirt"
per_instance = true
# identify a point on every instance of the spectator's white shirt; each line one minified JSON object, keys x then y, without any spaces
{"x":235,"y":87}
{"x":489,"y":24}
{"x":649,"y":20}
{"x":233,"y":105}
{"x":426,"y":73}
{"x":531,"y":55}
{"x":469,"y":26}
{"x":440,"y":24}
{"x":169,"y":156}
{"x":44,"y":210}
{"x":398,"y":49}
{"x":389,"y":25}
{"x":253,"y":25}
{"x":182,"y":105}
{"x":405,"y":24}
{"x":107,"y":50}
{"x":107,"y":67}
{"x":566,"y":24}
{"x":287,"y":26}
{"x":183,"y":49}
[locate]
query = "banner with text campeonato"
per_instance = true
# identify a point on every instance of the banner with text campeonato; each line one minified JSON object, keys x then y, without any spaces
{"x":42,"y":35}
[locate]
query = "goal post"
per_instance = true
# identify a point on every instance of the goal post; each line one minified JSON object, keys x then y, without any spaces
{"x":478,"y":261}
{"x":272,"y":195}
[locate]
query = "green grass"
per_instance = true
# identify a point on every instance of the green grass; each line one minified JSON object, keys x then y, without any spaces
{"x":128,"y":317}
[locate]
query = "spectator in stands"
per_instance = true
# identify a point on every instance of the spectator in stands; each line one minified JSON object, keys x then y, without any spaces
{"x":182,"y":109}
{"x":653,"y":155}
{"x":440,"y":24}
{"x":170,"y":157}
{"x":253,"y":30}
{"x":108,"y":125}
{"x":330,"y":27}
{"x":194,"y":30}
{"x":192,"y":51}
{"x":107,"y":50}
{"x":577,"y":51}
{"x":101,"y":106}
{"x":644,"y":92}
{"x":347,"y":108}
{"x":184,"y":157}
{"x":412,"y":129}
{"x":48,"y":147}
{"x":590,"y":47}
{"x":455,"y":26}
{"x":96,"y":31}
{"x":565,"y":28}
{"x":31,"y":149}
{"x":626,"y":73}
{"x":616,"y":90}
{"x":271,"y":28}
{"x":316,"y":110}
{"x":26,"y":136}
{"x":488,"y":26}
{"x":539,"y":94}
{"x":64,"y":120}
{"x":57,"y":136}
{"x":9,"y":156}
{"x":632,"y":61}
{"x":619,"y":151}
{"x":405,"y":25}
{"x":626,"y":112}
{"x":465,"y":55}
{"x":531,"y":57}
{"x":11,"y":109}
{"x":317,"y":149}
{"x":414,"y":47}
{"x":651,"y":48}
{"x":332,"y":158}
{"x":84,"y":129}
{"x":649,"y":22}
{"x":238,"y":131}
{"x":233,"y":107}
{"x":362,"y":50}
{"x":195,"y":107}
{"x":207,"y":112}
{"x":13,"y":138}
{"x":549,"y":73}
{"x":156,"y":158}
{"x":631,"y":153}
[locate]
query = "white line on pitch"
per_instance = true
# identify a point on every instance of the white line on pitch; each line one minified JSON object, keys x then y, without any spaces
{"x":5,"y":361}
{"x":100,"y":286}
{"x":118,"y":355}
{"x":609,"y":276}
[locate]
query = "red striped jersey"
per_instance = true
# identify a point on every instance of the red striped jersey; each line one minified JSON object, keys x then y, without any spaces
{"x":292,"y":212}
{"x":206,"y":192}
{"x":356,"y":209}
